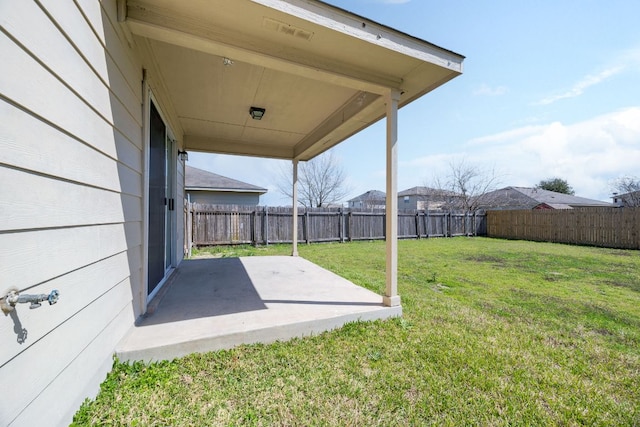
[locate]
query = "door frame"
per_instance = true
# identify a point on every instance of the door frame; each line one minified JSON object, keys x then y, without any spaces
{"x":170,"y":237}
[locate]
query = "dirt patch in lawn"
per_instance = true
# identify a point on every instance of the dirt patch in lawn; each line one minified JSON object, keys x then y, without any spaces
{"x":486,"y":259}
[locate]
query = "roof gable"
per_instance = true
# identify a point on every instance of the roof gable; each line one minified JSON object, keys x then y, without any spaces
{"x":369,"y":195}
{"x":507,"y":197}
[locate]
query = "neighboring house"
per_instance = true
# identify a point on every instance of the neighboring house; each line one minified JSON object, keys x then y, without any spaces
{"x":96,"y":100}
{"x":631,"y":199}
{"x":534,"y":198}
{"x":372,"y":199}
{"x":213,"y":189}
{"x":425,"y":198}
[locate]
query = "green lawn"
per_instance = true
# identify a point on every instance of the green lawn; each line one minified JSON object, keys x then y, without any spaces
{"x":494,"y":332}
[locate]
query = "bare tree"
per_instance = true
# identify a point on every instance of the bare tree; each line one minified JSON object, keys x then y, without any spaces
{"x":321,"y":181}
{"x":466,"y":186}
{"x":373,"y":199}
{"x":627,"y":189}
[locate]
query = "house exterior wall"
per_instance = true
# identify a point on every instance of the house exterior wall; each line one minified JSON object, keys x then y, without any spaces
{"x":223,"y":198}
{"x":419,"y":203}
{"x":631,"y":199}
{"x":73,"y":215}
{"x":410,"y":202}
{"x":370,"y":204}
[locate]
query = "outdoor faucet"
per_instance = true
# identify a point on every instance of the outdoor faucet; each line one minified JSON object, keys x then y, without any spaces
{"x":14,"y":297}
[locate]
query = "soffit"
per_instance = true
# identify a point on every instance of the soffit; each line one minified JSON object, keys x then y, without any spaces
{"x":320,"y":72}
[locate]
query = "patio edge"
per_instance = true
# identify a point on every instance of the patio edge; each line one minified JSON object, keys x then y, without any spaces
{"x":266,"y":335}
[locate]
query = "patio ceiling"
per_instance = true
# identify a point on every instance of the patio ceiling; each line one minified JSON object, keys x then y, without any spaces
{"x":320,"y":72}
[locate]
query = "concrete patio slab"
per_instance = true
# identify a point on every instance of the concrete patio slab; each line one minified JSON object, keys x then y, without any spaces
{"x":215,"y":304}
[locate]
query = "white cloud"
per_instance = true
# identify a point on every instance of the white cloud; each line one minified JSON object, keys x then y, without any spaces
{"x":624,"y":61}
{"x":507,"y":136}
{"x":582,"y":85}
{"x":486,"y":90}
{"x":588,"y":154}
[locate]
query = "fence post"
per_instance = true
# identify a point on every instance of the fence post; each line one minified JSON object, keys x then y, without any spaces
{"x":254,"y":226}
{"x":341,"y":225}
{"x":306,"y":225}
{"x":265,"y":229}
{"x":475,"y":223}
{"x":466,"y":219}
{"x":384,"y":224}
{"x":427,"y":223}
{"x":350,"y":228}
{"x":190,"y":228}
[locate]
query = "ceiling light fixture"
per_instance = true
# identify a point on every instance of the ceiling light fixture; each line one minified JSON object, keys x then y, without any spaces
{"x":226,"y":62}
{"x":256,"y":113}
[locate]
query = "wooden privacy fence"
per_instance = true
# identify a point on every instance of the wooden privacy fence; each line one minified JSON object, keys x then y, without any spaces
{"x":208,"y":225}
{"x":606,"y":227}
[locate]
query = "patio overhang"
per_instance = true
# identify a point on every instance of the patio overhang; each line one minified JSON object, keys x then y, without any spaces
{"x":320,"y":72}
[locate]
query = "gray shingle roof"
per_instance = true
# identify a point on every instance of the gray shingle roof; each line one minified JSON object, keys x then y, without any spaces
{"x":369,"y":195}
{"x":198,"y":179}
{"x":553,"y":198}
{"x":528,"y":198}
{"x":425,"y":191}
{"x":629,"y":194}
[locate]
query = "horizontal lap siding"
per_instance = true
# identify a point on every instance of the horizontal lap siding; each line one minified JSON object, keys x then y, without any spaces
{"x":66,"y":204}
{"x":71,"y":200}
{"x":31,"y":144}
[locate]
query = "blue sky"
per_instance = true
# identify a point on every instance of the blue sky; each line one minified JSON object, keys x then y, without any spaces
{"x":550,"y":88}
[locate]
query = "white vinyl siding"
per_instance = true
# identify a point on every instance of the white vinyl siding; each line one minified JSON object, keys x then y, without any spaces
{"x":71,"y":200}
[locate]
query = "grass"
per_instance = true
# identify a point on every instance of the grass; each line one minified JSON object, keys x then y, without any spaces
{"x":494,"y":333}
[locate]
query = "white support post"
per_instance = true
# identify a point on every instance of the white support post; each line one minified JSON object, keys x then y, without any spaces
{"x":391,"y":297}
{"x":294,"y":238}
